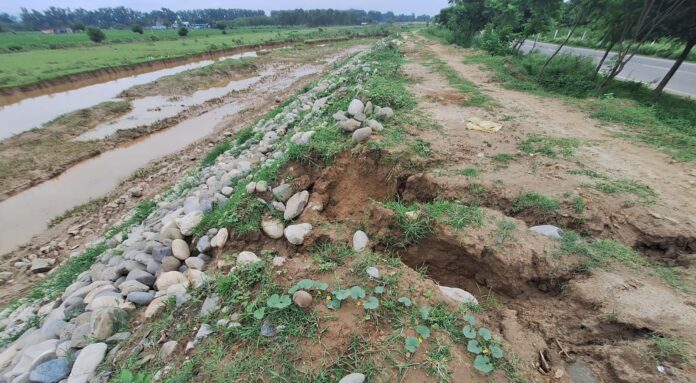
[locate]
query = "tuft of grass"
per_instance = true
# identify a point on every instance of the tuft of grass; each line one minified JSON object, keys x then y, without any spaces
{"x":504,"y":231}
{"x":142,"y":211}
{"x":246,"y":134}
{"x":549,"y":146}
{"x":217,"y":151}
{"x":503,"y":158}
{"x":535,"y":201}
{"x":416,"y":221}
{"x":665,"y":348}
{"x":469,"y":172}
{"x":579,"y":205}
{"x":587,"y":172}
{"x":644,"y":192}
{"x":455,"y":214}
{"x":415,"y":224}
{"x":330,"y":255}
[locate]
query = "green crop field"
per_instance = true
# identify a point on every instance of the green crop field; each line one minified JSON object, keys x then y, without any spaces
{"x":76,"y":54}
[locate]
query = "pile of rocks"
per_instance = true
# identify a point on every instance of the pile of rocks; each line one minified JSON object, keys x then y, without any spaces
{"x":160,"y":259}
{"x":357,"y":119}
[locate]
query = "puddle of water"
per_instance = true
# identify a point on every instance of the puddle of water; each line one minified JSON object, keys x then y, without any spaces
{"x":28,"y":213}
{"x":148,"y":110}
{"x":34,"y":112}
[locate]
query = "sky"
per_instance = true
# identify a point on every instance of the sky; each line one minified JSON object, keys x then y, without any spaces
{"x":430,"y":7}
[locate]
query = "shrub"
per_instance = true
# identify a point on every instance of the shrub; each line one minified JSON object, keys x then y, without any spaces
{"x":495,"y":41}
{"x":96,"y":35}
{"x":137,"y":28}
{"x":566,"y":74}
{"x":183,"y":31}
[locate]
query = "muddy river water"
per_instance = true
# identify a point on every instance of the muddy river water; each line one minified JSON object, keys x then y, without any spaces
{"x":33,"y":112}
{"x":28,"y":213}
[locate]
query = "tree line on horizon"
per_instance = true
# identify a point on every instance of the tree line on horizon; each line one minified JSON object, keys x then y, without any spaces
{"x":122,"y":17}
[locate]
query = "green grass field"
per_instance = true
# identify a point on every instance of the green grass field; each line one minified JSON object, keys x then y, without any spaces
{"x":75,"y":54}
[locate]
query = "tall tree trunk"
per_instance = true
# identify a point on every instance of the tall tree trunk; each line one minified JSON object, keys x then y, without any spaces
{"x":601,"y":62}
{"x":685,"y":53}
{"x":546,"y":63}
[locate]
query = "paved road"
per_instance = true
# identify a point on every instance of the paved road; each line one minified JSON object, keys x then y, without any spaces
{"x":649,"y":70}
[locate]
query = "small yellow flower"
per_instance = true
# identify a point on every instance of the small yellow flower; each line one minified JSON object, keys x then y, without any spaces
{"x":328,"y":297}
{"x":420,"y":339}
{"x":359,"y":303}
{"x":486,"y":351}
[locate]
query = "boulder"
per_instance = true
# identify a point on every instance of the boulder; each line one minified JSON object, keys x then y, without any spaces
{"x":189,"y":222}
{"x":272,"y":227}
{"x":295,"y":205}
{"x":282,"y":192}
{"x":140,"y":298}
{"x":39,"y":265}
{"x":356,"y":106}
{"x":548,"y":230}
{"x":141,"y":276}
{"x":52,"y":371}
{"x":170,"y":278}
{"x":360,"y":241}
{"x":170,"y":264}
{"x":220,"y":239}
{"x":247,"y":257}
{"x":375,"y":125}
{"x":302,"y":298}
{"x":87,"y":362}
{"x":180,"y":249}
{"x":361,"y":135}
{"x":458,"y":295}
{"x":353,"y":378}
{"x":296,"y":234}
{"x":350,"y":125}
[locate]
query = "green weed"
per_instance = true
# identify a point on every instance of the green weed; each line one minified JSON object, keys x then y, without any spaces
{"x":549,"y":146}
{"x":536,"y":202}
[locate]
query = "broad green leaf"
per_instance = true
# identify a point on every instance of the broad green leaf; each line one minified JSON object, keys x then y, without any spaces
{"x":305,"y":284}
{"x":126,"y":376}
{"x":412,"y":344}
{"x":469,"y":332}
{"x":425,"y":312}
{"x":424,"y":331}
{"x":278,"y":302}
{"x":260,"y":313}
{"x":333,"y":304}
{"x":485,"y":333}
{"x":474,"y":347}
{"x":470,"y":318}
{"x":483,"y":364}
{"x":405,"y":301}
{"x":496,"y":352}
{"x":379,"y":290}
{"x":320,"y":285}
{"x":371,"y":303}
{"x":357,"y":292}
{"x":342,"y":294}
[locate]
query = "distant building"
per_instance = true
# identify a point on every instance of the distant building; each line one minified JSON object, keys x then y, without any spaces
{"x":158,"y":27}
{"x":200,"y":26}
{"x":57,"y":31}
